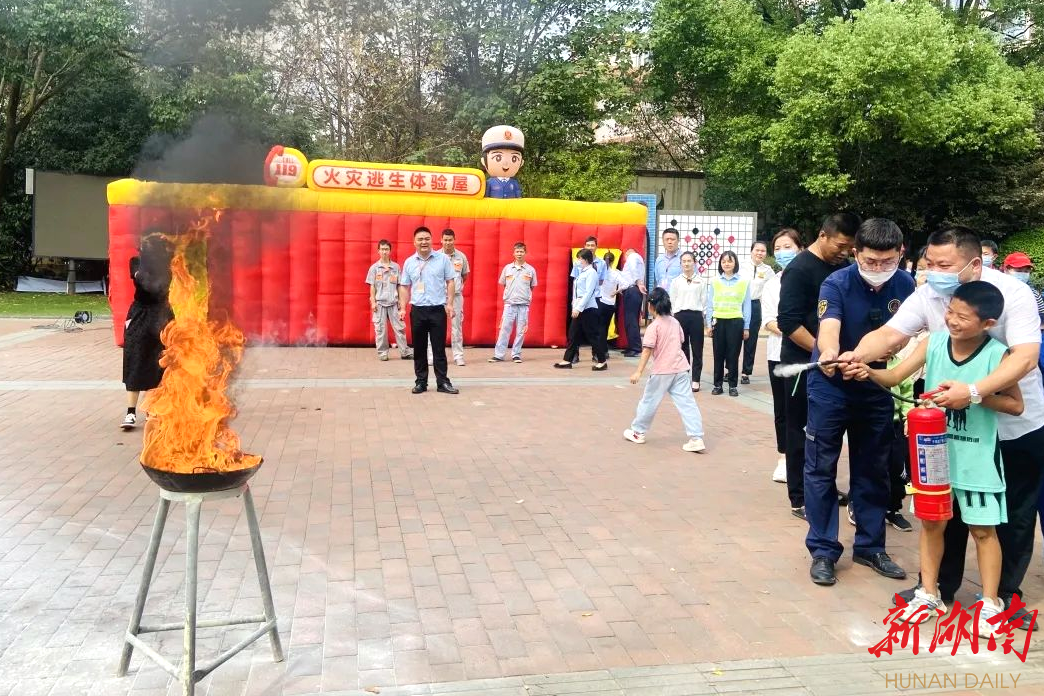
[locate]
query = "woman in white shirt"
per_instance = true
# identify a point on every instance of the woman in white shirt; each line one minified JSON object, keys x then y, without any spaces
{"x":688,"y":296}
{"x":785,"y":246}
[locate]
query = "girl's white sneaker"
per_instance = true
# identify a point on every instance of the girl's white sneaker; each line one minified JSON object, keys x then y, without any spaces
{"x":694,"y":445}
{"x":636,"y":438}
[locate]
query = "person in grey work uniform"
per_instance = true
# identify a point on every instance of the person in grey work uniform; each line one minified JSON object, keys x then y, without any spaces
{"x":461,"y":270}
{"x":426,"y":284}
{"x":518,"y":279}
{"x":383,"y":279}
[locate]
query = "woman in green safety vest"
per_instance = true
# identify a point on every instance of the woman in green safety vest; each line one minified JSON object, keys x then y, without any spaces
{"x":728,"y":325}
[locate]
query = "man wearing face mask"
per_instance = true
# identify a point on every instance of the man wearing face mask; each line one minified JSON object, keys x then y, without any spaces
{"x":953,"y":257}
{"x":852,"y":302}
{"x":989,"y":252}
{"x":1020,"y":267}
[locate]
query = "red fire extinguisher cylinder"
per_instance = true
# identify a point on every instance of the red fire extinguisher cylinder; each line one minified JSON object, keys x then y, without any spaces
{"x":929,"y":463}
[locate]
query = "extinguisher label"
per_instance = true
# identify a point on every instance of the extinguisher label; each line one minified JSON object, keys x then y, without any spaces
{"x":933,"y":465}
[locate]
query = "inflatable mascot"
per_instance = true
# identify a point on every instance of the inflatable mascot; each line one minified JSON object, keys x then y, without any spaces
{"x":502,"y":148}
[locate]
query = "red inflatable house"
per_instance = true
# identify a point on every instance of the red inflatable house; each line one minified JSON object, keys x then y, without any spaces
{"x":291,"y":262}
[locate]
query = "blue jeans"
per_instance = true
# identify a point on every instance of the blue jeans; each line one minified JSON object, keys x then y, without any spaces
{"x":869,"y":427}
{"x":679,"y":387}
{"x":517,"y":317}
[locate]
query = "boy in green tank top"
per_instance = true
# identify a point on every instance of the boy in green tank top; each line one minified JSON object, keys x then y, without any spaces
{"x":967,"y":354}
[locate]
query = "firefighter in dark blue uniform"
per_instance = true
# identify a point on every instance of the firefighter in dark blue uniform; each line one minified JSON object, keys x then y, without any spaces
{"x":852,"y":302}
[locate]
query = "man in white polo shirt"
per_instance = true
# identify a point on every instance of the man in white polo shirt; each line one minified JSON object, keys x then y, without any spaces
{"x":954,"y":257}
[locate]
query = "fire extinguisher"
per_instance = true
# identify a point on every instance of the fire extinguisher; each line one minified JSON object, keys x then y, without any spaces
{"x":929,"y":462}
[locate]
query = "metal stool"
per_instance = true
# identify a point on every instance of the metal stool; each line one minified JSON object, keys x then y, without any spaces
{"x":188,"y":675}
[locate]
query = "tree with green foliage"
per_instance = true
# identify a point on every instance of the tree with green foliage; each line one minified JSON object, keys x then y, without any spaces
{"x":45,"y":49}
{"x":893,"y":109}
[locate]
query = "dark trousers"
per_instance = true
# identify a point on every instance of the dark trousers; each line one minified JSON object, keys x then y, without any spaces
{"x":779,"y":407}
{"x":796,"y":407}
{"x":869,"y":428}
{"x":632,"y":305}
{"x":750,"y":346}
{"x":898,"y":467}
{"x":1023,"y":471}
{"x":587,"y":327}
{"x":428,"y":325}
{"x":605,"y":317}
{"x":726,"y":341}
{"x":692,"y":331}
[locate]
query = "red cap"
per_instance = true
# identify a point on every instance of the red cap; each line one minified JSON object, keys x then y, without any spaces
{"x":1017,"y":259}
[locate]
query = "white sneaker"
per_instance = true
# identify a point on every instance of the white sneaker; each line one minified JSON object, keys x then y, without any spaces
{"x":923,"y":607}
{"x":129,"y":421}
{"x":988,"y":611}
{"x":459,"y":362}
{"x":780,"y":474}
{"x":383,"y":357}
{"x":851,"y":514}
{"x":637,"y":438}
{"x":694,"y":444}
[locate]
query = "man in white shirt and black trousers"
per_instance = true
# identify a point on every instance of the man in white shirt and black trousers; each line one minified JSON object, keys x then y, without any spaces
{"x":632,"y":289}
{"x":954,"y":257}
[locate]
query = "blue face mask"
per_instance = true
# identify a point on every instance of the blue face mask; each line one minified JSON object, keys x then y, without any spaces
{"x":1024,"y":276}
{"x":946,"y":283}
{"x":987,"y":261}
{"x":785,"y":256}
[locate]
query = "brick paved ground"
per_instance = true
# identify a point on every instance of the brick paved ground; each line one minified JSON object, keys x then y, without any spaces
{"x":506,"y":534}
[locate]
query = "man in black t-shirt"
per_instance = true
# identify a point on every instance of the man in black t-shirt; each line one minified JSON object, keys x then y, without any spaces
{"x":798,"y":320}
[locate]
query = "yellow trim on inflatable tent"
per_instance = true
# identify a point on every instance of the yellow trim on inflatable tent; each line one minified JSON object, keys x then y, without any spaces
{"x":195,"y":196}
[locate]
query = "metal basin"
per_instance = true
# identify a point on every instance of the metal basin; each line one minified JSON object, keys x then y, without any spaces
{"x":201,"y":481}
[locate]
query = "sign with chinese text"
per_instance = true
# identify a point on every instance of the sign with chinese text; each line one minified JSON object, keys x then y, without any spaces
{"x":961,"y":625}
{"x":333,"y":175}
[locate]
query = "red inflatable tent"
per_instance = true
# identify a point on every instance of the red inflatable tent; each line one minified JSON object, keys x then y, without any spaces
{"x":291,"y":263}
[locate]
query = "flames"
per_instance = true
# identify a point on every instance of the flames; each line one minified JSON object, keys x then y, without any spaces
{"x":188,"y":428}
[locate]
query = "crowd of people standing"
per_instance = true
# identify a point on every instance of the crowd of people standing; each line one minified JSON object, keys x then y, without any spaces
{"x":954,"y":325}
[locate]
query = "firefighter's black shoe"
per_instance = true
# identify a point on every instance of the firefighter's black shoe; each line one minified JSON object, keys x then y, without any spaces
{"x":822,"y":571}
{"x":881,"y":563}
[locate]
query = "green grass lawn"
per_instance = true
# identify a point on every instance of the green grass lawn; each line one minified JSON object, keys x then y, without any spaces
{"x":47,"y":304}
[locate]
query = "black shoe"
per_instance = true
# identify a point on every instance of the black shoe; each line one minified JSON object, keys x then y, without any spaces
{"x":717,"y":390}
{"x":822,"y":571}
{"x":600,"y":367}
{"x":899,"y":522}
{"x":1021,"y":618}
{"x":733,"y":391}
{"x":405,"y":357}
{"x":744,"y":379}
{"x":420,"y":388}
{"x":564,"y":365}
{"x":842,"y":499}
{"x":881,"y":563}
{"x":631,"y":354}
{"x":798,"y":512}
{"x":908,"y":595}
{"x":447,"y":388}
